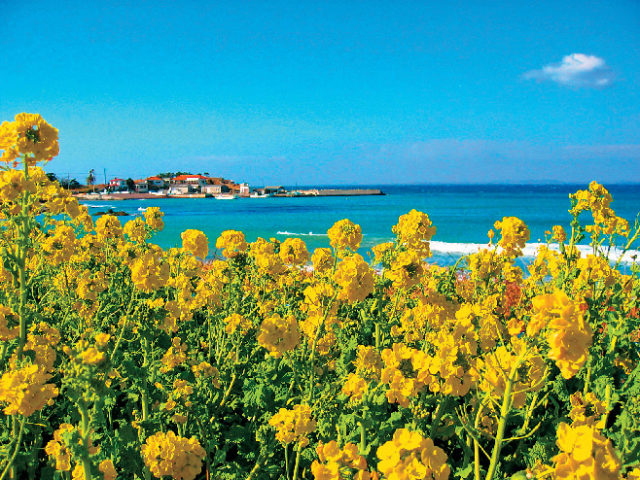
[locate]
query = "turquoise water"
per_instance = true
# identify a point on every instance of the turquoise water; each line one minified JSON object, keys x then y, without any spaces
{"x":462,"y":214}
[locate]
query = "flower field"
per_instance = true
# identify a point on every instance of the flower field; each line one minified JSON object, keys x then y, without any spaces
{"x":119,"y":359}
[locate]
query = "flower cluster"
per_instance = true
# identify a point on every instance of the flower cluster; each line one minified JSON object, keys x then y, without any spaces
{"x":411,"y":456}
{"x":293,"y":251}
{"x":28,"y":135}
{"x":172,"y":455}
{"x":153,"y":218}
{"x":568,"y":334}
{"x":585,"y":453}
{"x":236,"y":322}
{"x":515,"y":234}
{"x":266,"y":258}
{"x":149,"y":271}
{"x":26,"y":390}
{"x":345,"y":235}
{"x":7,"y":317}
{"x":174,"y":356}
{"x":279,"y":335}
{"x":355,"y":278}
{"x":232,"y":243}
{"x":108,"y":226}
{"x":405,"y":270}
{"x":337,"y":463}
{"x":414,"y":231}
{"x":322,"y":261}
{"x":195,"y":242}
{"x":293,"y":425}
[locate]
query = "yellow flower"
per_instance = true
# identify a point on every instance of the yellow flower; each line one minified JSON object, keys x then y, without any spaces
{"x":108,"y":226}
{"x":174,"y":356}
{"x":514,"y":233}
{"x":108,"y":470}
{"x":381,"y":251}
{"x":92,"y":356}
{"x":293,"y":425}
{"x":345,"y":235}
{"x":149,"y":272}
{"x":60,"y":245}
{"x":355,"y":277}
{"x":322,"y":260}
{"x":195,"y":242}
{"x":414,"y":230}
{"x":405,"y":270}
{"x":584,"y":453}
{"x":410,"y":455}
{"x":279,"y":335}
{"x":13,"y":183}
{"x":293,"y":251}
{"x":89,"y":286}
{"x":153,"y":218}
{"x":235,"y":322}
{"x":25,"y":390}
{"x":57,"y":449}
{"x":355,"y":386}
{"x":334,"y":463}
{"x":8,"y":333}
{"x":135,"y":230}
{"x":8,"y":140}
{"x":29,"y":135}
{"x":172,"y":455}
{"x":559,"y":235}
{"x":568,"y":334}
{"x":265,"y":257}
{"x":205,"y":370}
{"x":232,"y":242}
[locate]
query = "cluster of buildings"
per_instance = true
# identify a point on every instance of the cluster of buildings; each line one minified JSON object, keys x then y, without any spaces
{"x":181,"y":185}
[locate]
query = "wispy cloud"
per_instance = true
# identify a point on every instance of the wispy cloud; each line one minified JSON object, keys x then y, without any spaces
{"x":576,"y":70}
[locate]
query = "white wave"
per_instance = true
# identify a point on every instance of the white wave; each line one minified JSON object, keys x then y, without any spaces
{"x":530,"y":250}
{"x":98,"y":206}
{"x":310,"y":234}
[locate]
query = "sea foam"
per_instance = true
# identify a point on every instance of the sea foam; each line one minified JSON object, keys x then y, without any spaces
{"x":530,"y":250}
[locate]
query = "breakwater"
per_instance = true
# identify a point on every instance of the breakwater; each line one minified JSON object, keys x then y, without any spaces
{"x":336,"y":192}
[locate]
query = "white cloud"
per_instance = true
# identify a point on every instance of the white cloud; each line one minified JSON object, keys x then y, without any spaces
{"x":576,"y":70}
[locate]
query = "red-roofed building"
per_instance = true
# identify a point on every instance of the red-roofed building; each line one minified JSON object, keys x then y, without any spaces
{"x":118,"y":184}
{"x":142,"y":186}
{"x":156,"y":183}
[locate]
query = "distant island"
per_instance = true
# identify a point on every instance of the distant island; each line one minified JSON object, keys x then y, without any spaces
{"x":188,"y":185}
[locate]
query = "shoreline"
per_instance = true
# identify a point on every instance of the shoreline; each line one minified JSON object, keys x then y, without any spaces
{"x":329,"y":192}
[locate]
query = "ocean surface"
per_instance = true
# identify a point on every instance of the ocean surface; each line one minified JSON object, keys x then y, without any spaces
{"x":462,"y":214}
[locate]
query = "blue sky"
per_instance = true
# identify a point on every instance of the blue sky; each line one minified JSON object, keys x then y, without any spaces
{"x":323,"y":92}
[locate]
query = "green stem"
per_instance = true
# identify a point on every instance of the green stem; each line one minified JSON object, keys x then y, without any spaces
{"x":23,"y":242}
{"x":504,"y":413}
{"x":86,"y":423}
{"x":440,"y":409}
{"x":15,"y":450}
{"x":255,"y":468}
{"x":363,"y":438}
{"x":286,"y":459}
{"x":228,"y":391}
{"x":588,"y":379}
{"x":315,"y":342}
{"x":476,"y":445}
{"x":527,"y":419}
{"x":115,"y":348}
{"x":297,"y":464}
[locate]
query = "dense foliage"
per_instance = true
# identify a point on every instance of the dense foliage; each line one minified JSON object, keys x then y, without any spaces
{"x":119,"y":359}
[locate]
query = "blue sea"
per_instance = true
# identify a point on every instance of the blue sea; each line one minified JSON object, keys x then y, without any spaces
{"x":462,"y":214}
